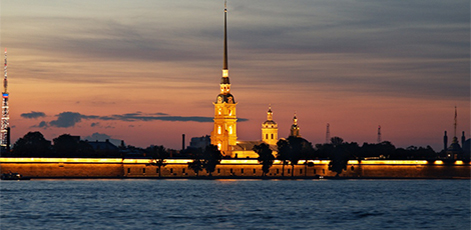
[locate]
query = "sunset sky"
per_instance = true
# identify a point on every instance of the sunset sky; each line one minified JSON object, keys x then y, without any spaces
{"x":147,"y":72}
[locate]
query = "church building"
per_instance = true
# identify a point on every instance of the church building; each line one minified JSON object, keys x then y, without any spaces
{"x":224,"y":134}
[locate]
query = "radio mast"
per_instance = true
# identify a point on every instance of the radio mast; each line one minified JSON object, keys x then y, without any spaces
{"x":4,"y":129}
{"x":327,"y":134}
{"x":379,"y":134}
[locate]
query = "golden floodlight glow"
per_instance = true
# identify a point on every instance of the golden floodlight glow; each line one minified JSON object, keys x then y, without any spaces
{"x":223,"y":161}
{"x":59,"y":160}
{"x":394,"y":162}
{"x":240,"y":161}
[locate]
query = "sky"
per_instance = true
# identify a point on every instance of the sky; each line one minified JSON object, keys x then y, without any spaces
{"x":147,"y":72}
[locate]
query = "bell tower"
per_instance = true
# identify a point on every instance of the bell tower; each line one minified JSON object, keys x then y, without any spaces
{"x":294,"y":131}
{"x":270,"y":129}
{"x":224,"y":134}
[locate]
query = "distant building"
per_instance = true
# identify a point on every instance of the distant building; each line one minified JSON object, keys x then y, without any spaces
{"x":200,"y":142}
{"x":102,"y":145}
{"x":454,"y":151}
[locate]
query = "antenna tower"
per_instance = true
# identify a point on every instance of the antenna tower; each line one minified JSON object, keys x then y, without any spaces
{"x":456,"y":121}
{"x":327,"y":134}
{"x":5,"y":111}
{"x":379,"y":134}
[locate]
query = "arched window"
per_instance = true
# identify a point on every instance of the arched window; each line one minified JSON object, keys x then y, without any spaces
{"x":219,"y":129}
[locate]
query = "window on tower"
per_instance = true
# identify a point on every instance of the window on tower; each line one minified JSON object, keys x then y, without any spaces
{"x":219,"y":129}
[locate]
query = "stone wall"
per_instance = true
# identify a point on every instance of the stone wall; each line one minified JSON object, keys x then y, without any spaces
{"x":64,"y":170}
{"x":140,"y":168}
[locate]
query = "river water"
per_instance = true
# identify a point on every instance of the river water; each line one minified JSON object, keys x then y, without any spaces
{"x":235,"y":204}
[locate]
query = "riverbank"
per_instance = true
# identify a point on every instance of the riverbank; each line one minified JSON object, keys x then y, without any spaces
{"x":117,"y":168}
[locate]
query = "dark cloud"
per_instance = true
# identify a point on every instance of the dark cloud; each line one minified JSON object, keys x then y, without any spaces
{"x":153,"y":117}
{"x":33,"y":115}
{"x":66,"y":119}
{"x":99,"y":125}
{"x":69,"y":119}
{"x":42,"y":124}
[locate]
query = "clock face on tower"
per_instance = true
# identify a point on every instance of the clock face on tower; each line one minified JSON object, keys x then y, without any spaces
{"x":229,"y":99}
{"x":219,"y":99}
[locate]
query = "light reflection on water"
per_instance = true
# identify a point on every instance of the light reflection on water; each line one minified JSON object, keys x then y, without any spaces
{"x":236,"y":204}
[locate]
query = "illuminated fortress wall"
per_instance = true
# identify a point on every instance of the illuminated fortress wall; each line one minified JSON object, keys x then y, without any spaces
{"x":178,"y":168}
{"x":62,"y":167}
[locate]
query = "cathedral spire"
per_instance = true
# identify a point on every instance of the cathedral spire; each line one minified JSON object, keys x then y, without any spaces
{"x":225,"y":65}
{"x":224,"y":134}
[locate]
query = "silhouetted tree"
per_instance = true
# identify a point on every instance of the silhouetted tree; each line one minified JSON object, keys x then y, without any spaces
{"x":265,"y":157}
{"x":323,"y":151}
{"x":283,"y":153}
{"x":197,"y":164}
{"x":414,"y":153}
{"x":158,"y":154}
{"x":292,"y":150}
{"x":339,"y":156}
{"x":300,"y":148}
{"x":381,"y":150}
{"x":212,"y":157}
{"x":336,"y":141}
{"x":69,"y":146}
{"x":33,"y":144}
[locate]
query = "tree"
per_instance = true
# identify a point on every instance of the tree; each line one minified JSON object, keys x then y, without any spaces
{"x":323,"y":151}
{"x":300,"y":148}
{"x":283,"y":153}
{"x":196,"y":165}
{"x":212,"y":157}
{"x":158,"y":154}
{"x":339,"y":156}
{"x":33,"y":144}
{"x":292,"y":150}
{"x":69,"y":146}
{"x":265,"y":157}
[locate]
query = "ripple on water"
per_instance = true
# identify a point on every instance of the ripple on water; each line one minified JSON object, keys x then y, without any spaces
{"x":246,"y":204}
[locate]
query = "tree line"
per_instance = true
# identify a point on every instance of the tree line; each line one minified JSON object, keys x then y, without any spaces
{"x":289,"y":151}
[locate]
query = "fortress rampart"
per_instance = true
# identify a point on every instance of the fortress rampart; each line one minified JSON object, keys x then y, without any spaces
{"x":237,"y":168}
